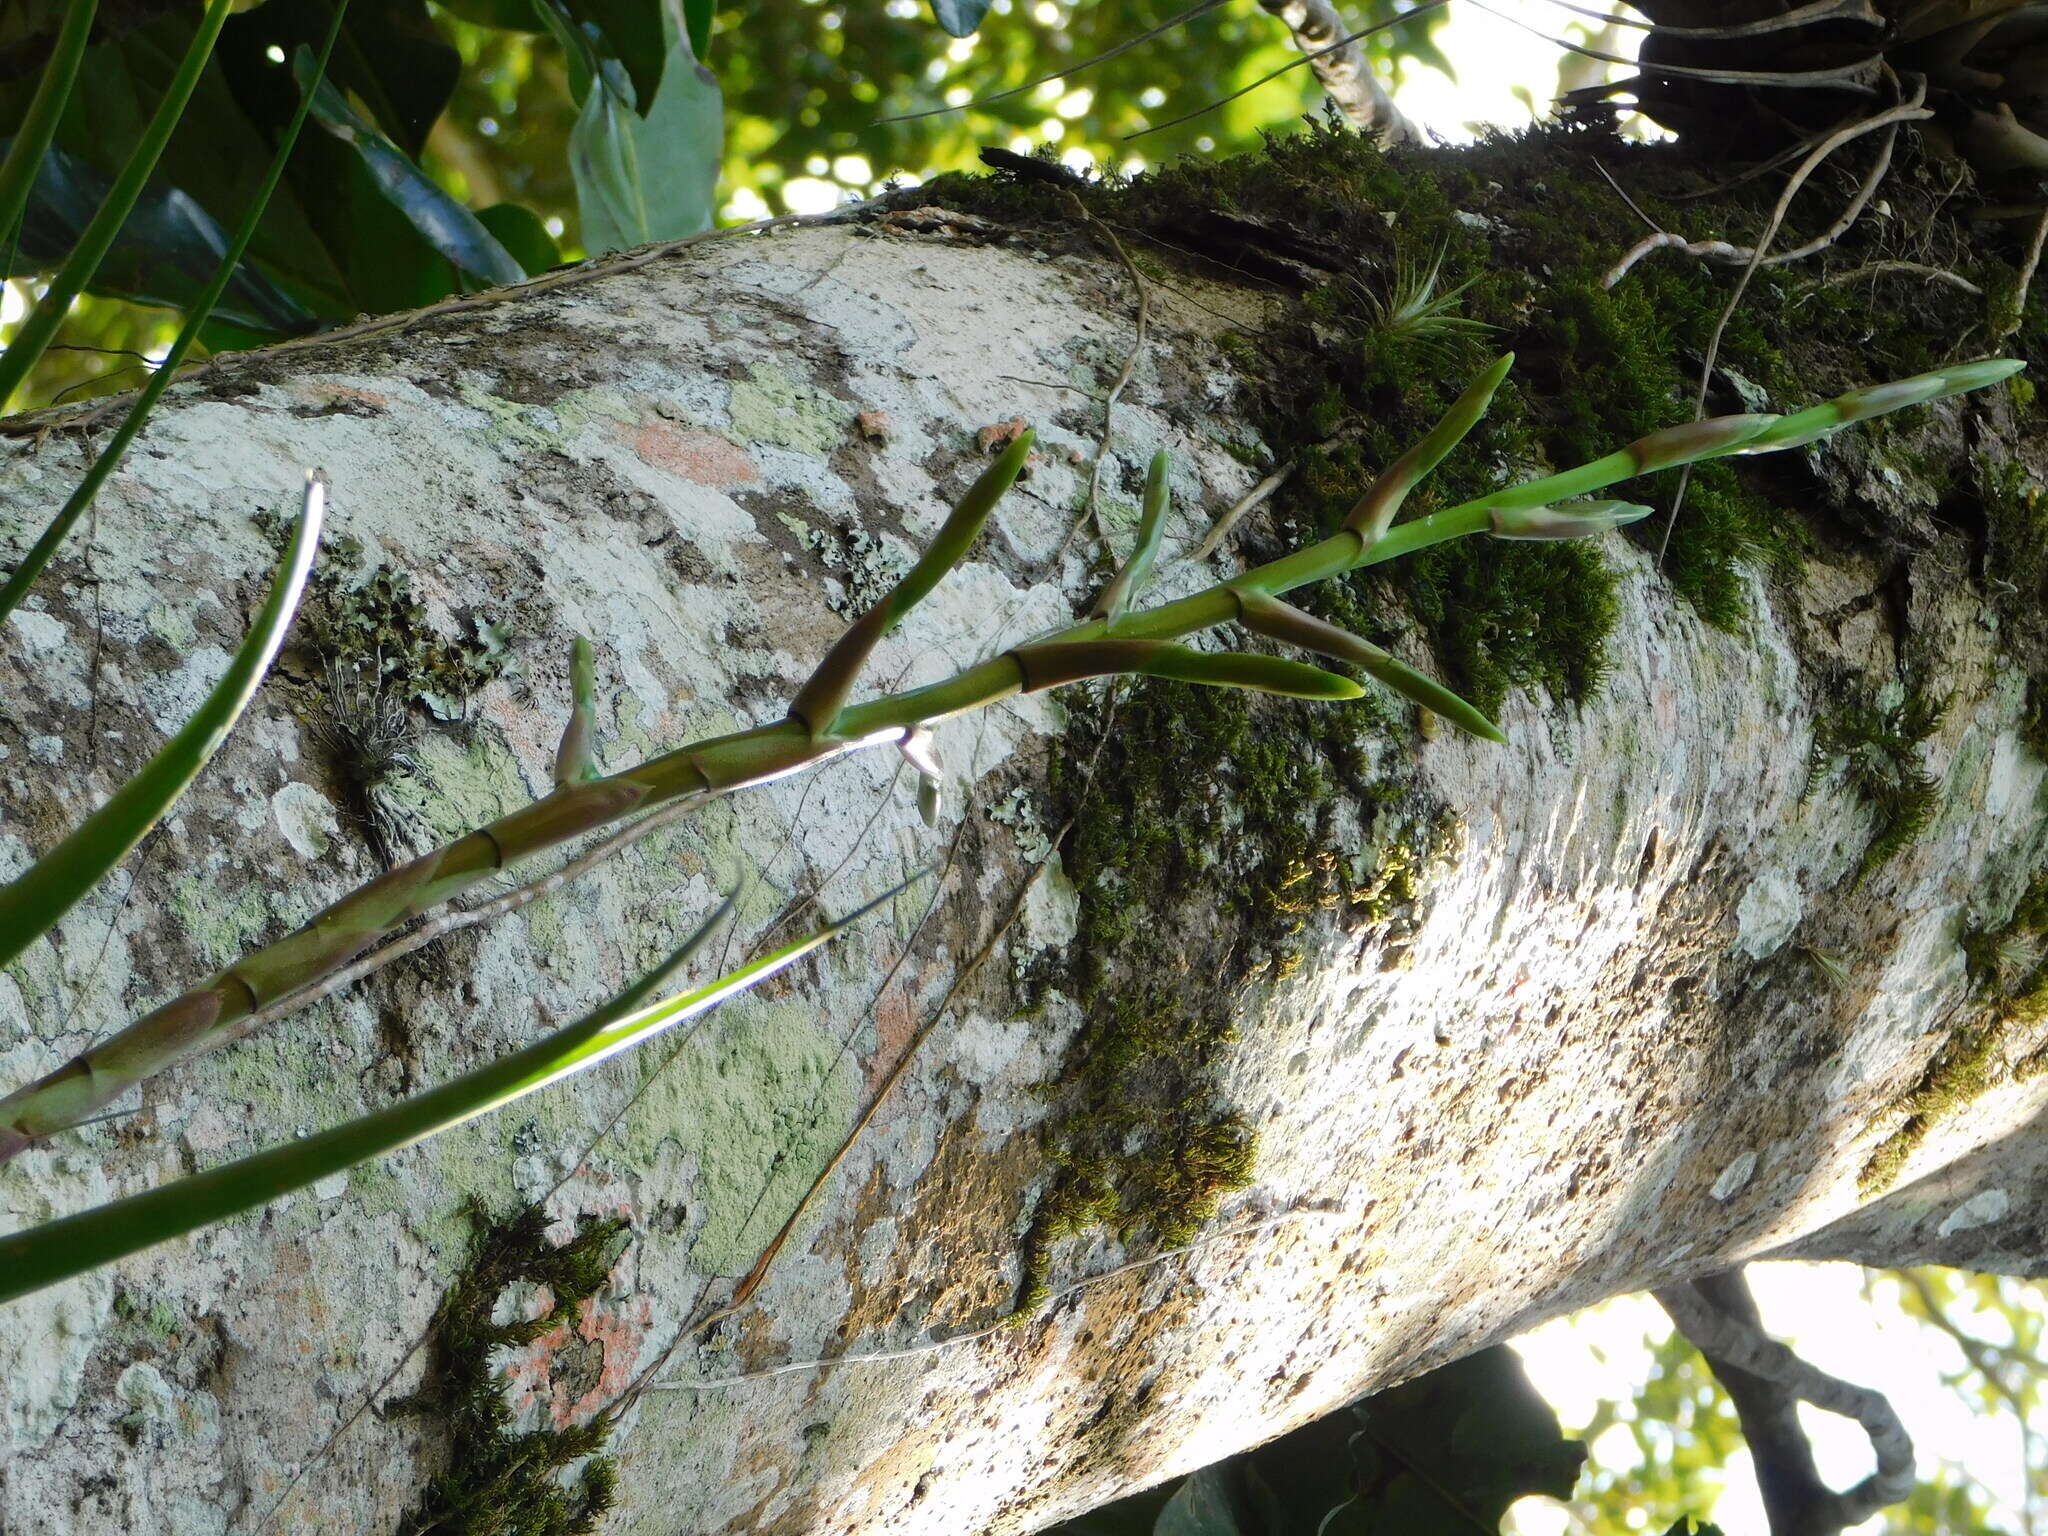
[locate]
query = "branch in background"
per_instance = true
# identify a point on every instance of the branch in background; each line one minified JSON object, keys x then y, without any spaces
{"x":1345,"y":71}
{"x":1767,"y":1382}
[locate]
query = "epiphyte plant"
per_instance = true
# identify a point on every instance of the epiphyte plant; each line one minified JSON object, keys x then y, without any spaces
{"x":1116,"y":640}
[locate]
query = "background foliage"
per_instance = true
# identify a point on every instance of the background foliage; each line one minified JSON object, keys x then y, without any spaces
{"x":483,"y":97}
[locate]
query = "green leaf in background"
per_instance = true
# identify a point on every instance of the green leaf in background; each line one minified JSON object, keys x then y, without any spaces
{"x":1443,"y":1455}
{"x":638,"y":33}
{"x":959,"y":17}
{"x":697,"y":15}
{"x":1460,"y":1445}
{"x":31,"y":905}
{"x":521,"y":232}
{"x":445,"y":224}
{"x":641,"y":177}
{"x":165,"y":253}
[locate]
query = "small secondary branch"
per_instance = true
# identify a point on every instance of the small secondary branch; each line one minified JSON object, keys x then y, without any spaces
{"x":1345,"y":70}
{"x":1767,"y":1382}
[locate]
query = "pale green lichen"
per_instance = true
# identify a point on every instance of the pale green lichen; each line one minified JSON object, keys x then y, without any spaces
{"x":759,"y":1097}
{"x":771,"y":405}
{"x":223,"y":919}
{"x":460,"y":785}
{"x":867,"y":567}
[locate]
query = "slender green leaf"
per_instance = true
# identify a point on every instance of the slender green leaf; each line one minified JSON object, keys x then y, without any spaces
{"x":823,"y":694}
{"x":41,"y":325}
{"x":1243,"y":669}
{"x":30,"y":905}
{"x":1130,"y":581}
{"x":58,"y":1250}
{"x":226,"y":269}
{"x":1382,"y":500}
{"x":1283,"y":621}
{"x":32,"y":139}
{"x":163,"y":254}
{"x":441,"y":221}
{"x":574,"y":757}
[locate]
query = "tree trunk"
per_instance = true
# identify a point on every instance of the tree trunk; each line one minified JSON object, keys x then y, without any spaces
{"x":1516,"y":1028}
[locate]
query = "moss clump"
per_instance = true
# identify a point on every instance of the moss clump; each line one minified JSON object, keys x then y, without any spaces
{"x":2008,"y":965}
{"x":1879,"y":751}
{"x":2016,"y":576}
{"x":1188,"y":803}
{"x":1959,"y":1073}
{"x":500,"y":1484}
{"x":2009,"y":962}
{"x":370,"y":624}
{"x":2034,"y":723}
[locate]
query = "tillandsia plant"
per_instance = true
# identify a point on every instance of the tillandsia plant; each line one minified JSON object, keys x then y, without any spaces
{"x":821,"y":723}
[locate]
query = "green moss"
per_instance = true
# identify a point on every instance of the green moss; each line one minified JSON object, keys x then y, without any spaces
{"x":1959,"y":1073}
{"x":2008,"y":966}
{"x":368,"y":624}
{"x":2034,"y":723}
{"x":501,"y":1484}
{"x":1186,"y":800}
{"x":1878,"y":750}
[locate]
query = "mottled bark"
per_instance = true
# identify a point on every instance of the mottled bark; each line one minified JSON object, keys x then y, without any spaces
{"x":1642,"y":1018}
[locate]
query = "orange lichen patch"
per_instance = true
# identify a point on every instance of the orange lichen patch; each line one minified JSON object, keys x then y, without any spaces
{"x":894,"y":1025}
{"x":1000,"y":435}
{"x":571,"y":1373}
{"x":697,"y":455}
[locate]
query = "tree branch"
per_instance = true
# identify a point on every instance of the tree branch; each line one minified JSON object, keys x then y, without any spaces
{"x":1346,"y":72}
{"x":1718,"y":1316}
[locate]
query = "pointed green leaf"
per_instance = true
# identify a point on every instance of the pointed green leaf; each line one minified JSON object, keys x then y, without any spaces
{"x":1241,"y":669}
{"x":574,"y":757}
{"x":1271,"y":617}
{"x":823,"y":695}
{"x":1375,"y":511}
{"x":1130,"y":581}
{"x":30,"y":905}
{"x":1573,"y":520}
{"x":58,"y":1250}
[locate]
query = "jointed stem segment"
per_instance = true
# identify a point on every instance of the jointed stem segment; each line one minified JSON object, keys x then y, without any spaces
{"x":821,"y":724}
